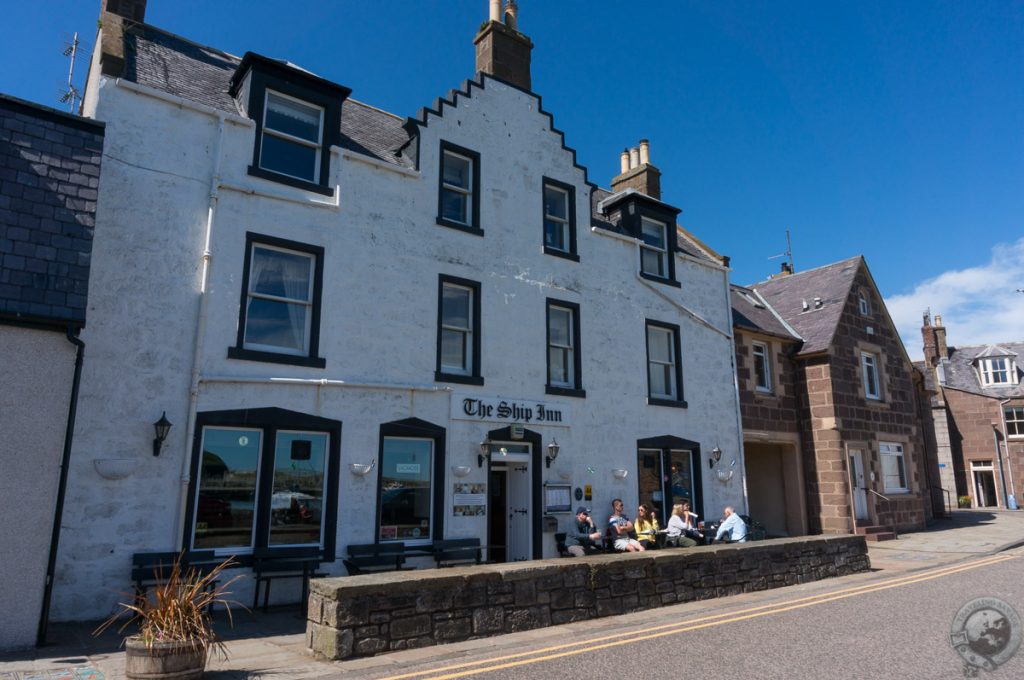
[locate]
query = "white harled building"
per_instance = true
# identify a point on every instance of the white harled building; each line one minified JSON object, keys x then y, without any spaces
{"x":368,"y":328}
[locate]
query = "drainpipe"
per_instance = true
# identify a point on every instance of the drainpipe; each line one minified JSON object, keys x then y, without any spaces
{"x":999,"y":464}
{"x":1006,"y":440}
{"x":197,"y":356}
{"x":62,"y":485}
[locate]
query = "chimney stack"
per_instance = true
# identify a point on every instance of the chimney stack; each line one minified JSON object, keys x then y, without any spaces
{"x":930,"y":336}
{"x":501,"y":50}
{"x":640,"y":174}
{"x":114,"y":16}
{"x":940,"y":338}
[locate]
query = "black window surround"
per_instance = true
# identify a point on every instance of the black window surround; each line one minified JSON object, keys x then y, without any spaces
{"x":473,"y":227}
{"x":270,"y":74}
{"x":473,"y":377}
{"x":665,"y":444}
{"x":631,"y":208}
{"x":679,"y":401}
{"x":570,"y":191}
{"x":415,"y":428}
{"x":576,"y":390}
{"x":270,"y":420}
{"x":239,"y":351}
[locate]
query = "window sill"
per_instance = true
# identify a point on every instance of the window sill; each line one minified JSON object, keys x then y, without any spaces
{"x":660,"y":279}
{"x":565,"y":391}
{"x":897,"y":492}
{"x":272,"y":358}
{"x":561,"y":253}
{"x":469,"y":229}
{"x":456,"y":378}
{"x":671,"y":403}
{"x":291,"y":181}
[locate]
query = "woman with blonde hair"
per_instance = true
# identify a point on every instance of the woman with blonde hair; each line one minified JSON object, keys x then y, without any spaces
{"x":679,"y":525}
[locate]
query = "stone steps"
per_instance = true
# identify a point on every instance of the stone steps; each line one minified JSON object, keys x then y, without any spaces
{"x":875,"y":532}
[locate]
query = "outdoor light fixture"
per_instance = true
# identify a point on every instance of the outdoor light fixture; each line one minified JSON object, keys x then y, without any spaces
{"x":725,"y":474}
{"x":716,"y":455}
{"x":161,"y":427}
{"x":485,"y":448}
{"x":553,"y":448}
{"x":362,"y":469}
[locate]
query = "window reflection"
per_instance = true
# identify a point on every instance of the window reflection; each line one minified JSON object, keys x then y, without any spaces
{"x":296,"y":504}
{"x":227,"y":488}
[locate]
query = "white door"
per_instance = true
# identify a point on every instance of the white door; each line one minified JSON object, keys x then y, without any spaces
{"x":860,"y":494}
{"x":519,"y":526}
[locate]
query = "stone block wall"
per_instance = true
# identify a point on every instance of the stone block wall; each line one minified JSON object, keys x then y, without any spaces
{"x":775,"y":412}
{"x":973,"y":420}
{"x":376,"y":613}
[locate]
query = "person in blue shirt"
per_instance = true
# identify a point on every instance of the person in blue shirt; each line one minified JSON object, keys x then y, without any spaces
{"x":732,"y":528}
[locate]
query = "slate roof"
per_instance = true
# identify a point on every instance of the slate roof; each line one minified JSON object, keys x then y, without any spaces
{"x":817,"y":325}
{"x":751,"y":313}
{"x":49,"y":177}
{"x":960,"y":373}
{"x":179,"y":67}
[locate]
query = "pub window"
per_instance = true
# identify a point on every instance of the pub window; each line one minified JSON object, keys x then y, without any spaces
{"x":459,"y":189}
{"x":406,"y":498}
{"x":458,"y":331}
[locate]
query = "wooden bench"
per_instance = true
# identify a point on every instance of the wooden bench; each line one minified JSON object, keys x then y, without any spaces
{"x":373,"y":557}
{"x":151,"y":568}
{"x":270,"y":564}
{"x":452,"y":551}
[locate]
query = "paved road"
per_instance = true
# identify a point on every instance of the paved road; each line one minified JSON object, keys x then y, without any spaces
{"x":870,"y":626}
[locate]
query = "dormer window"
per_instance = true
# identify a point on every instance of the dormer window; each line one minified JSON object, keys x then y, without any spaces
{"x":997,"y":371}
{"x":297,"y":117}
{"x":292,"y":137}
{"x":653,"y":248}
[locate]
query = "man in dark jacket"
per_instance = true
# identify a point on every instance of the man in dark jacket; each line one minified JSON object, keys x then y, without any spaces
{"x":584,"y":538}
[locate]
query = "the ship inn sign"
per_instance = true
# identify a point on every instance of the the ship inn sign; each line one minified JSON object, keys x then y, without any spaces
{"x":503,"y":410}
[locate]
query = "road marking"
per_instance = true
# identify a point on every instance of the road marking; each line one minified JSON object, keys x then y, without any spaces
{"x":615,"y":640}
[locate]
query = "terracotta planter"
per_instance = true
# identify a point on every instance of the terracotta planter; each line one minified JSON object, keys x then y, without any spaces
{"x":170,"y":660}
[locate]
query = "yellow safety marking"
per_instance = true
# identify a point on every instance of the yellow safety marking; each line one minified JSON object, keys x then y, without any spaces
{"x":699,"y":623}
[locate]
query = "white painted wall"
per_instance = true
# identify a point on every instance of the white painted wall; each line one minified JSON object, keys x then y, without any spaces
{"x":383,"y":254}
{"x":36,"y":371}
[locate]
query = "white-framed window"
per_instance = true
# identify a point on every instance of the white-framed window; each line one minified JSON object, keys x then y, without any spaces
{"x":653,"y":247}
{"x":863,"y":303}
{"x":458,"y":331}
{"x":460,"y":174}
{"x":1014,"y":421}
{"x":998,"y":371}
{"x":280,"y":316}
{"x":556,"y":218}
{"x":762,"y":367}
{"x":894,"y":472}
{"x":406,"y":490}
{"x":663,"y":370}
{"x":292,"y":137}
{"x":561,"y":347}
{"x":870,"y":375}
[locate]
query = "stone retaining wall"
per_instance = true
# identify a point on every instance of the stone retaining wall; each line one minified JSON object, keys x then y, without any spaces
{"x":367,"y":615}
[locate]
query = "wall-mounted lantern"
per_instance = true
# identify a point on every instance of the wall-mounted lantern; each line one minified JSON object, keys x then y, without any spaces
{"x":716,"y":455}
{"x":485,"y":448}
{"x":161,"y":427}
{"x":553,"y":449}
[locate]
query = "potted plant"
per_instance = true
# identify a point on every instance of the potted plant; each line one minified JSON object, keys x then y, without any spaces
{"x":175,"y":627}
{"x":963,"y":501}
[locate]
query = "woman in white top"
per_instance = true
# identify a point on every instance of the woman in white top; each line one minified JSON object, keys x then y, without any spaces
{"x":677,"y":527}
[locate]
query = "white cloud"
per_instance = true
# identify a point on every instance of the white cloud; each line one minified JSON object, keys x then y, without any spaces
{"x":979,"y":305}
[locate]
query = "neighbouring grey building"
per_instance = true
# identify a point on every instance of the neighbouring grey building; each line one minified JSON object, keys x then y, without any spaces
{"x":49,"y":174}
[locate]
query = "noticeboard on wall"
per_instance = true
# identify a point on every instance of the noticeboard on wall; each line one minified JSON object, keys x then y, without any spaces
{"x":557,"y":498}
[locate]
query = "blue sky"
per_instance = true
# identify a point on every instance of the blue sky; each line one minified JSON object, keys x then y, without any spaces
{"x":889,"y":129}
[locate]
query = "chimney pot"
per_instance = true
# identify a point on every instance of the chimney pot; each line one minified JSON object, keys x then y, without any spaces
{"x":501,"y":50}
{"x":634,"y":157}
{"x":495,"y":13}
{"x":645,"y":152}
{"x":511,"y":14}
{"x":624,"y":161}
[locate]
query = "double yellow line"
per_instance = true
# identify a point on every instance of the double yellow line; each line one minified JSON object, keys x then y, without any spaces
{"x":651,"y":633}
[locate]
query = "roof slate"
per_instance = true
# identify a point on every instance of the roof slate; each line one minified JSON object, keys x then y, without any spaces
{"x":961,"y":375}
{"x":831,"y":283}
{"x":174,"y":65}
{"x":748,"y":312}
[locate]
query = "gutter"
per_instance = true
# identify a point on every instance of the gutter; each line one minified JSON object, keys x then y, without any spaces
{"x":62,"y":485}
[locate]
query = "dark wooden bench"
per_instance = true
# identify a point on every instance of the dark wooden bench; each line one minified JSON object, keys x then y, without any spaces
{"x":452,"y":551}
{"x":270,"y":564}
{"x":151,"y":568}
{"x":373,"y":557}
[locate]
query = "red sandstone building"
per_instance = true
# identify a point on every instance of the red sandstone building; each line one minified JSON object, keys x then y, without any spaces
{"x":978,"y":411}
{"x":831,"y":406}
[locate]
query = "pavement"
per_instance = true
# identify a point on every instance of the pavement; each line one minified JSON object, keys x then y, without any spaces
{"x":271,"y":646}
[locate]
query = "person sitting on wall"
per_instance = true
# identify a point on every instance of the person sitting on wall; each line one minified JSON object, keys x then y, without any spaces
{"x":646,"y":526}
{"x":680,"y":531}
{"x":733,"y":529}
{"x":585,"y":537}
{"x":619,"y":528}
